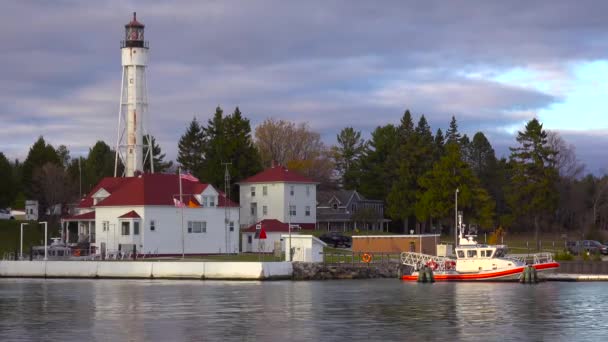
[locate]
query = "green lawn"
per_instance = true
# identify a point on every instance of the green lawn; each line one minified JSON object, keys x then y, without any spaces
{"x":33,"y":235}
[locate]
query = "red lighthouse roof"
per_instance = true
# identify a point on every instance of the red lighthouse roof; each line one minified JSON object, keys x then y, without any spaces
{"x":134,"y":22}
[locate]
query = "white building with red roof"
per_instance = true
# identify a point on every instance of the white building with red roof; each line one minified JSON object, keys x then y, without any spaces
{"x":145,"y":213}
{"x":273,"y":199}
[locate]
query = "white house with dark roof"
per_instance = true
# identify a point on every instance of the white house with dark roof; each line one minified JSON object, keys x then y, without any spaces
{"x":146,"y":213}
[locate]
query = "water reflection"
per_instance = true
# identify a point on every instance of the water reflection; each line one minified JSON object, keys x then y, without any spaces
{"x":330,"y":311}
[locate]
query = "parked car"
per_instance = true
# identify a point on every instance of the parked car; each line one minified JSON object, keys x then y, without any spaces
{"x":5,"y":214}
{"x":336,"y":239}
{"x":591,"y":246}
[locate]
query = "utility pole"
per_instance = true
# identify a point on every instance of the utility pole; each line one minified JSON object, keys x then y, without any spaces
{"x":226,"y":208}
{"x":456,"y":219}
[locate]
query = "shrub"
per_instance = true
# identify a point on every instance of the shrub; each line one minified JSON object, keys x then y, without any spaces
{"x":563,"y":256}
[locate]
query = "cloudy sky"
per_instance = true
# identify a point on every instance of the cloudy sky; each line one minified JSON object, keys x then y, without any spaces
{"x":492,"y":64}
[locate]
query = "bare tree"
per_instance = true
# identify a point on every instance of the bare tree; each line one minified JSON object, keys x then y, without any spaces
{"x":295,"y":146}
{"x":567,"y":164}
{"x":53,"y":186}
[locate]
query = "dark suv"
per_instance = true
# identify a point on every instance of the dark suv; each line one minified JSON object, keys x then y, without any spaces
{"x":591,"y":246}
{"x":336,"y":239}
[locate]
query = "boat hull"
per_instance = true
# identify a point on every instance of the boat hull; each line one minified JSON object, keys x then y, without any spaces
{"x":499,"y":275}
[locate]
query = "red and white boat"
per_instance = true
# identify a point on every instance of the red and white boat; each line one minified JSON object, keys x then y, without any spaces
{"x":477,"y":262}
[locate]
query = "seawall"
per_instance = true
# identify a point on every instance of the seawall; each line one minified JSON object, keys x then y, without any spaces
{"x":148,"y":270}
{"x":320,"y":271}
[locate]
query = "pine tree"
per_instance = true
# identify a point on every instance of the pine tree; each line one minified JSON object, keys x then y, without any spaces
{"x":7,"y":183}
{"x":379,"y":162}
{"x":438,"y":185}
{"x":190,"y":148}
{"x":439,"y":145}
{"x":40,"y":154}
{"x":228,"y":141}
{"x":98,"y":164}
{"x":452,"y":135}
{"x":160,"y":165}
{"x":347,"y":155}
{"x":532,"y":188}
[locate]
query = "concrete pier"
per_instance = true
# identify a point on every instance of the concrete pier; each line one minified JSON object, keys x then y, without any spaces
{"x":148,"y":270}
{"x":575,"y":277}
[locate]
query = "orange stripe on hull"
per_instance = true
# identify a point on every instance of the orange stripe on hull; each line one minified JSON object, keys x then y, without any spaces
{"x":482,"y":276}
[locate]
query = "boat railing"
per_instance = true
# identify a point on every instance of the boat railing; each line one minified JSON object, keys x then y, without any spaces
{"x":531,"y":259}
{"x":418,"y":260}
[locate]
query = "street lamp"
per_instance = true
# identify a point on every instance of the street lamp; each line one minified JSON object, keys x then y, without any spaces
{"x":46,"y":239}
{"x":21,"y":245}
{"x":456,"y":219}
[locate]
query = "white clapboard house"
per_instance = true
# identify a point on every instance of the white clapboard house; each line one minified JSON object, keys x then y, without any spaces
{"x":145,"y":212}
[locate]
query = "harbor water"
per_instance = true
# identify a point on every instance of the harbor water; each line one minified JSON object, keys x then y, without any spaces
{"x":370,"y":310}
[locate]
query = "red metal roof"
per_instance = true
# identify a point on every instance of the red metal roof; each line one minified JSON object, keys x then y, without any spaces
{"x":130,"y":214}
{"x":272,"y":225}
{"x":147,"y":189}
{"x":278,"y":174}
{"x":90,"y":216}
{"x":134,"y":22}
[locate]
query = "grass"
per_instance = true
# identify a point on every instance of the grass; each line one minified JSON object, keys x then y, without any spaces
{"x":33,"y":235}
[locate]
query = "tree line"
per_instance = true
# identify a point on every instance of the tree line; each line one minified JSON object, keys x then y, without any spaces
{"x":539,"y":187}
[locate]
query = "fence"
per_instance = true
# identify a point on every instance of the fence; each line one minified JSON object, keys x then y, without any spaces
{"x":357,"y":258}
{"x":583,"y":267}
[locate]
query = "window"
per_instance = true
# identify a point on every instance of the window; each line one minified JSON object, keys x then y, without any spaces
{"x":264,"y":190}
{"x":248,"y":238}
{"x":307,"y":211}
{"x":254,"y":209}
{"x":231,"y":225}
{"x":152,"y":225}
{"x":265,"y":210}
{"x":460,"y":254}
{"x":472,"y":254}
{"x":105,"y":226}
{"x":212,"y":201}
{"x":291,"y":190}
{"x":292,"y":210}
{"x":205,"y":201}
{"x":125,"y":228}
{"x":253,"y":191}
{"x":488,"y":253}
{"x":135,"y":227}
{"x":482,"y":254}
{"x":308,"y":190}
{"x":197,"y":227}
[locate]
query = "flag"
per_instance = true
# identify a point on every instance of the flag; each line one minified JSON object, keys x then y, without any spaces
{"x":189,"y":177}
{"x":178,"y":203}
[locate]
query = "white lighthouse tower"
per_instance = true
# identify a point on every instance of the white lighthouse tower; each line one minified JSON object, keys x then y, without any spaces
{"x":133,"y":103}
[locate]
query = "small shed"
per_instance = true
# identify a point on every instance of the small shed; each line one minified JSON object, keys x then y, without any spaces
{"x":306,"y":248}
{"x":420,"y":243}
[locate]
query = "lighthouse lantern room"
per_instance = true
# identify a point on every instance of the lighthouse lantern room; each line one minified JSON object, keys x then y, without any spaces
{"x":132,"y":114}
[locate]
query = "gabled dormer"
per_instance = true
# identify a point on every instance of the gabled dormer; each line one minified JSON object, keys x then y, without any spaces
{"x":100,"y":195}
{"x":208,"y":198}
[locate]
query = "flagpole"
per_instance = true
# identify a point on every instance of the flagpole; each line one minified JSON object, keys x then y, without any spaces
{"x":181,"y":205}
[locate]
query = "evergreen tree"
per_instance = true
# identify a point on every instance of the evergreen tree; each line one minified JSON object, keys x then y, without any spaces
{"x":416,"y":147}
{"x":228,"y":141}
{"x":40,"y":154}
{"x":452,"y":135}
{"x":482,"y":159}
{"x":379,"y":162}
{"x":98,"y":164}
{"x":532,"y":191}
{"x":7,"y":183}
{"x":190,"y":148}
{"x":439,"y":145}
{"x":64,"y":155}
{"x":438,"y":187}
{"x":347,"y":155}
{"x":160,"y":165}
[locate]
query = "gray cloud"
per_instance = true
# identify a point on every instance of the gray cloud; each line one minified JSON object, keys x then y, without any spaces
{"x":331,"y":64}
